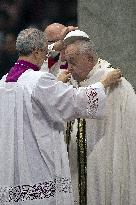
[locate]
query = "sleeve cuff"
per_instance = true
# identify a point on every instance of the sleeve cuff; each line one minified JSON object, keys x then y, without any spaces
{"x":98,"y":85}
{"x":102,"y":99}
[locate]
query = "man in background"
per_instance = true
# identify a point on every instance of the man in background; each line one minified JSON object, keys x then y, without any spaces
{"x":56,"y":61}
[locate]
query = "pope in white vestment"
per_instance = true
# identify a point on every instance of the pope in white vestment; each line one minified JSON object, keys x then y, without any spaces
{"x":111,"y":146}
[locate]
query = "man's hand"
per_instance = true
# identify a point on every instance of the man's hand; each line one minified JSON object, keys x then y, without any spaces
{"x":59,"y":45}
{"x":112,"y":78}
{"x":66,"y":30}
{"x":64,"y":76}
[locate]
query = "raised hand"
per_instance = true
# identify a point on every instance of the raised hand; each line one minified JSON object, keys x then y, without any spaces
{"x":112,"y":78}
{"x":64,"y":76}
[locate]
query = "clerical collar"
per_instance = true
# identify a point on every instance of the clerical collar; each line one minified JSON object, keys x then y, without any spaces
{"x":18,"y":69}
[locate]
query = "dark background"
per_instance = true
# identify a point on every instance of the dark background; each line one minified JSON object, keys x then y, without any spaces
{"x":16,"y":15}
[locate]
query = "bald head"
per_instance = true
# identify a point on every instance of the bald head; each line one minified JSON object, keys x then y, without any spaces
{"x":53,"y":31}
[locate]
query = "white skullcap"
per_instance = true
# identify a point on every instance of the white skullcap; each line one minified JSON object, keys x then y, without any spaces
{"x":75,"y":35}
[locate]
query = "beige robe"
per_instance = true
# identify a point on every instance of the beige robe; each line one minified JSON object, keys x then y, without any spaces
{"x":111,"y":147}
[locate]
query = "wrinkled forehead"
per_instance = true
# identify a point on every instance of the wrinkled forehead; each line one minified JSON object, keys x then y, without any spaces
{"x":71,"y":50}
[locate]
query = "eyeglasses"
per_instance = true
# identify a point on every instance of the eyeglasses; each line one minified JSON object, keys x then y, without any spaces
{"x":53,"y":41}
{"x":50,"y":42}
{"x":44,"y":50}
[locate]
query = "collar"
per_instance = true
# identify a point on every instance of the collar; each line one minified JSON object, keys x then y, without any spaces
{"x":99,"y":65}
{"x":18,"y":69}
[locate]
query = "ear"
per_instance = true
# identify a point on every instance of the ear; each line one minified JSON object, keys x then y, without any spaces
{"x":35,"y":54}
{"x":90,"y":58}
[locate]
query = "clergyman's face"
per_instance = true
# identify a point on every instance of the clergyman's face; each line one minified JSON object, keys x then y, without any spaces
{"x":79,"y":64}
{"x":42,"y":55}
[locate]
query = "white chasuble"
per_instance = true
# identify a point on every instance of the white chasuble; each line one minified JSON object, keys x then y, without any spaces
{"x":34,"y":168}
{"x":111,"y":146}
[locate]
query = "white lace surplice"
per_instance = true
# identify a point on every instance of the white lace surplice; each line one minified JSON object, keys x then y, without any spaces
{"x":34,"y":163}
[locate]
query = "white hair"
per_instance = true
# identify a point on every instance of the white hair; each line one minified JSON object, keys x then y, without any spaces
{"x":30,"y":39}
{"x":86,"y":48}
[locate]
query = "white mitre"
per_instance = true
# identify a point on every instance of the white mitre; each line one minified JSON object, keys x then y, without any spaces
{"x":75,"y":35}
